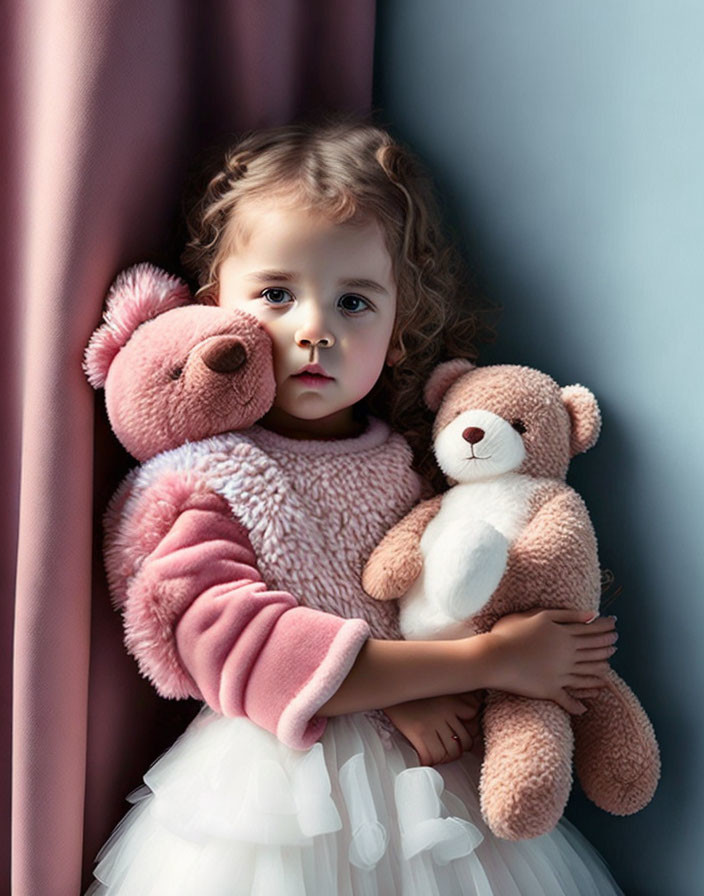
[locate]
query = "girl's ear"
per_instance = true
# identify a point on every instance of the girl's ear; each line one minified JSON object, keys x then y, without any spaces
{"x":209,"y":297}
{"x":393,"y":356}
{"x":442,"y":378}
{"x":585,"y":418}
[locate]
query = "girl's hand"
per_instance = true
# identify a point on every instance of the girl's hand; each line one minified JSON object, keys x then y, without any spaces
{"x":543,"y":653}
{"x":429,"y":725}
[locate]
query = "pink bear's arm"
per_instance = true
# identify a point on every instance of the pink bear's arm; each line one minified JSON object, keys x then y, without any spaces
{"x":202,"y":623}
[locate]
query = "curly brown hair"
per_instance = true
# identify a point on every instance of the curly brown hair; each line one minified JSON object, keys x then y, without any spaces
{"x":353,"y":169}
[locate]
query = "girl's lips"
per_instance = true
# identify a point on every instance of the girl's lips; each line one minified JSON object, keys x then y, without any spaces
{"x":312,"y":379}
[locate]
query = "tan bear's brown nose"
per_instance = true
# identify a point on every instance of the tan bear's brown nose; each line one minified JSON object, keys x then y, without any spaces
{"x":226,"y":356}
{"x":473,"y":435}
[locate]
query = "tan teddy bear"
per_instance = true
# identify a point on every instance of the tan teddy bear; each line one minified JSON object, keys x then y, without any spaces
{"x":510,"y":535}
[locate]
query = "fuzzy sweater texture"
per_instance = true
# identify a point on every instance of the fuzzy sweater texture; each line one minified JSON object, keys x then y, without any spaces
{"x":237,"y":563}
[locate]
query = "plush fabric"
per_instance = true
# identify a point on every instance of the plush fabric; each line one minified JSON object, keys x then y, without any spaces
{"x":511,"y":535}
{"x":207,"y":544}
{"x":554,"y":435}
{"x":156,"y":378}
{"x":151,"y":293}
{"x":199,"y":602}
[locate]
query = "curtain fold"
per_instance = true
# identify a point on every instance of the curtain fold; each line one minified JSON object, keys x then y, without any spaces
{"x":108,"y":102}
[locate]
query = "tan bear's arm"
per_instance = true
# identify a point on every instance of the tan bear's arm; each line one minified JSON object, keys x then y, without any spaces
{"x":553,"y":563}
{"x":397,"y":562}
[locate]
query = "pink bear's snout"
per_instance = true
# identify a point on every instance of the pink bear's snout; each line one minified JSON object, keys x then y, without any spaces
{"x":227,"y":355}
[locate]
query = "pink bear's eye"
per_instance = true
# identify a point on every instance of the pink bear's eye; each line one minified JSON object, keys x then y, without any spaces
{"x":175,"y":373}
{"x":519,"y":426}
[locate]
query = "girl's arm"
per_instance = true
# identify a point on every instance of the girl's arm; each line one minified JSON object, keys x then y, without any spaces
{"x":535,"y":654}
{"x":202,"y":623}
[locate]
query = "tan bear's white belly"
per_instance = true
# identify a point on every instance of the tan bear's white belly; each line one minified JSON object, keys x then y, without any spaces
{"x":465,"y":550}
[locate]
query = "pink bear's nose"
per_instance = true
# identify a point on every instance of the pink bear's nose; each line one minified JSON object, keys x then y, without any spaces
{"x":473,"y":435}
{"x":226,"y":356}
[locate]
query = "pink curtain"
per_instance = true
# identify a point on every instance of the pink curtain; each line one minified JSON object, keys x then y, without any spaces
{"x":107,"y":103}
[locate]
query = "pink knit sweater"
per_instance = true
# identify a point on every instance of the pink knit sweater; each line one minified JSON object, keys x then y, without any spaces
{"x":237,"y":564}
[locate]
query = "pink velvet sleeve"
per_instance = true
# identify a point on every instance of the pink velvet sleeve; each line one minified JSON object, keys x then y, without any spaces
{"x":201,"y":622}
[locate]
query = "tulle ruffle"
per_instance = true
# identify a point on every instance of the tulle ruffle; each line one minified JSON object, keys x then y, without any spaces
{"x":230,"y":810}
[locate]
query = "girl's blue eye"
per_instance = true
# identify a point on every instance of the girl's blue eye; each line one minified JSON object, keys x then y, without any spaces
{"x":353,"y":303}
{"x":274,"y":295}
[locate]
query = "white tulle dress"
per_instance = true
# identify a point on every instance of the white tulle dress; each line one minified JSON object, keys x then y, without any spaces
{"x":230,"y":810}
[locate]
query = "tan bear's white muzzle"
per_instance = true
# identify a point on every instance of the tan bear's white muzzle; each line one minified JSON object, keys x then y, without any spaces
{"x":478,"y":444}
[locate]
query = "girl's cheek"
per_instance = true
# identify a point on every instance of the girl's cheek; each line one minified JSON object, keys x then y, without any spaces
{"x":281,"y":370}
{"x":369,"y":381}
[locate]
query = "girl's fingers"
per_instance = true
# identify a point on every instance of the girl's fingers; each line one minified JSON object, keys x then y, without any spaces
{"x":455,"y":740}
{"x":424,"y":757}
{"x":600,"y":626}
{"x":578,"y":682}
{"x":589,"y":641}
{"x":462,"y":732}
{"x":468,"y":710}
{"x":440,"y":751}
{"x":472,"y":727}
{"x":585,"y":693}
{"x":468,"y":718}
{"x":565,"y":617}
{"x":569,"y":703}
{"x":593,"y":656}
{"x":600,"y":669}
{"x":472,"y":698}
{"x":429,"y":752}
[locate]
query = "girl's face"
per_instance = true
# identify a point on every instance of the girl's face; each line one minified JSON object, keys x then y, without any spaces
{"x":326,"y":294}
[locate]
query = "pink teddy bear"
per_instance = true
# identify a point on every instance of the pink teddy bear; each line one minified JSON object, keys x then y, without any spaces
{"x":179,"y":378}
{"x":174,"y":371}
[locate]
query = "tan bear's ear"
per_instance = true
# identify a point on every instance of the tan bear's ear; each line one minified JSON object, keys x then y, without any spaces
{"x":442,"y":378}
{"x":585,"y":416}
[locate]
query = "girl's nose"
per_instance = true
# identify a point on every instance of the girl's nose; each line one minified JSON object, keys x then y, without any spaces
{"x":323,"y":341}
{"x":313,"y":333}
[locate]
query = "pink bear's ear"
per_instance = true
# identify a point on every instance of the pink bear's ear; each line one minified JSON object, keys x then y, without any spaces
{"x":585,"y":417}
{"x":137,"y":295}
{"x":442,"y":378}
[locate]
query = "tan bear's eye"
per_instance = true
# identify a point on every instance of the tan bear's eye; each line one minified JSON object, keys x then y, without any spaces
{"x":519,"y":426}
{"x":175,"y":373}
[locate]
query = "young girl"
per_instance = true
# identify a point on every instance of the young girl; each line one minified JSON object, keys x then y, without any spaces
{"x":332,"y":757}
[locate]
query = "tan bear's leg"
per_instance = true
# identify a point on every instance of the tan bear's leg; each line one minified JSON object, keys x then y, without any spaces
{"x":527,"y":770}
{"x":616,"y":755}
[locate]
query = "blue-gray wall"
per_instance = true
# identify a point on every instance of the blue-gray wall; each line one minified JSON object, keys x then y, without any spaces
{"x":568,"y":140}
